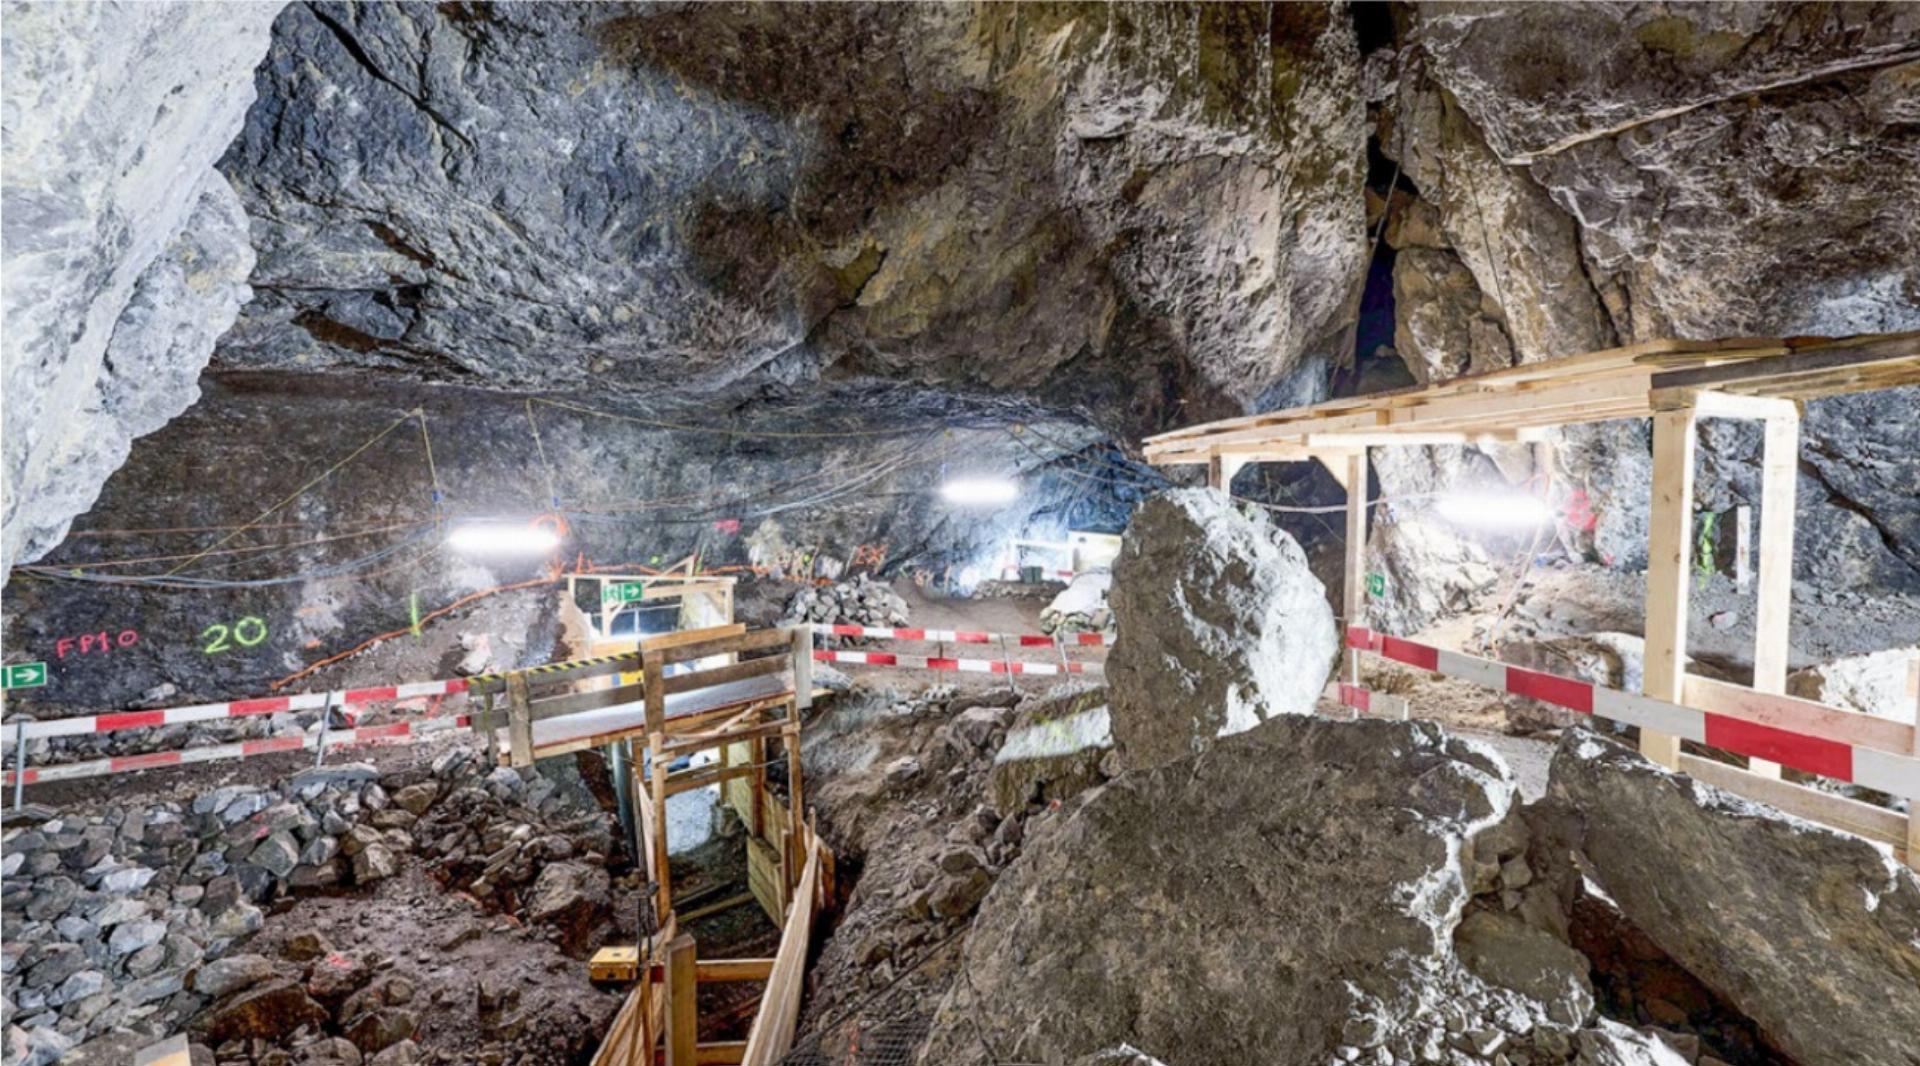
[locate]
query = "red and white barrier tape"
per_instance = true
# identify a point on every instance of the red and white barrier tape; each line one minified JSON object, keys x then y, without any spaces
{"x":962,"y":636}
{"x":88,"y":724}
{"x":965,"y":666}
{"x":391,"y":733}
{"x":1867,"y":766}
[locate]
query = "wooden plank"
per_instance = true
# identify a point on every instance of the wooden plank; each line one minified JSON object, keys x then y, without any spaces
{"x":1849,"y":354}
{"x":574,"y":703}
{"x":1708,"y":403}
{"x":709,"y":971}
{"x":772,"y":1034}
{"x":683,"y":1004}
{"x":1850,"y":816}
{"x":1222,"y":468}
{"x":802,"y":653}
{"x":1773,"y":603}
{"x":1669,"y":552}
{"x":796,"y":801}
{"x":684,"y":637}
{"x":662,"y":871}
{"x":765,"y":880}
{"x":720,"y":675}
{"x":1796,"y":715}
{"x":702,"y":777}
{"x":739,"y":642}
{"x":1354,"y":587}
{"x":519,"y":721}
{"x":1913,"y":809}
{"x":703,"y":741}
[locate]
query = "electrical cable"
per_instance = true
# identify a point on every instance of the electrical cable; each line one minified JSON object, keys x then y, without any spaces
{"x":296,"y":494}
{"x":747,"y":434}
{"x":553,"y":494}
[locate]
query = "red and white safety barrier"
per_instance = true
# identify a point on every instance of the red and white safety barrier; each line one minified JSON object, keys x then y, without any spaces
{"x":1888,"y":771}
{"x":965,"y":666}
{"x":391,"y":733}
{"x":962,"y":636}
{"x":87,"y":724}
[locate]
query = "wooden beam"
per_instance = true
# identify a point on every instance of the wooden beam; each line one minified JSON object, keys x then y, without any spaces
{"x":703,"y":741}
{"x":802,"y":638}
{"x":772,"y":1034}
{"x":683,"y":1003}
{"x":711,"y":774}
{"x":1913,"y":808}
{"x":519,"y":721}
{"x":720,"y":675}
{"x":1708,"y":403}
{"x":795,"y":800}
{"x":662,"y":871}
{"x":1221,"y":468}
{"x":1773,"y":602}
{"x":1669,"y":553}
{"x":1796,"y":715}
{"x":1354,"y":590}
{"x":1849,"y":816}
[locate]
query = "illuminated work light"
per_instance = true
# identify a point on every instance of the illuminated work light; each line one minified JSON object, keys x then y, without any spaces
{"x":1508,"y":511}
{"x":979,"y":491}
{"x":502,"y":538}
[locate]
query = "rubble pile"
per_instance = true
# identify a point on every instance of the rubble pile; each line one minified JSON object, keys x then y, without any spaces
{"x":123,"y":923}
{"x":1082,"y":607}
{"x":905,"y":805}
{"x":862,"y":601}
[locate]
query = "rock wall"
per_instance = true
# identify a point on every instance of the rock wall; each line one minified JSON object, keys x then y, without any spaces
{"x":1050,"y":199}
{"x":126,"y":254}
{"x":356,"y":553}
{"x":1588,"y":175}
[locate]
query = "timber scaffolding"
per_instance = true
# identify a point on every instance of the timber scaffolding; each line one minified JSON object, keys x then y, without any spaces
{"x":719,"y":688}
{"x":1675,"y":383}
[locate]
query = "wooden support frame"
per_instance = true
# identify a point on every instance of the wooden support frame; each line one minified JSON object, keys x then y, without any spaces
{"x":1675,"y":383}
{"x":1353,"y":593}
{"x":1669,"y":558}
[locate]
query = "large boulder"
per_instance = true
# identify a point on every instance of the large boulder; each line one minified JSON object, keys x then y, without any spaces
{"x":1874,"y":684}
{"x":1292,"y":892}
{"x":1222,"y":626}
{"x":1812,"y":933}
{"x":571,"y":897}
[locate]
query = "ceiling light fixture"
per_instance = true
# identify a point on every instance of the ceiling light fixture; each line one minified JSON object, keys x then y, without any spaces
{"x":502,"y":538}
{"x":979,"y":491}
{"x":1494,"y":511}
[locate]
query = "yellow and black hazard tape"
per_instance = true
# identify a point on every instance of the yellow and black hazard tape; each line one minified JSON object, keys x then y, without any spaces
{"x":487,"y":681}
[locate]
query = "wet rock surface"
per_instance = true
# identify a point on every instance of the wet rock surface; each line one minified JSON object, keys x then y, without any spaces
{"x":1221,"y":623}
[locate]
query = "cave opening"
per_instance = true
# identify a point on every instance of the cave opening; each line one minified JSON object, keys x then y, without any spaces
{"x":882,"y":533}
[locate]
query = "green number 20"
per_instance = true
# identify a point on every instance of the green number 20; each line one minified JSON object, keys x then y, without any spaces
{"x":246,"y":632}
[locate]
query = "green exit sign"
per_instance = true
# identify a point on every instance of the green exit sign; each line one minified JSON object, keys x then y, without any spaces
{"x":1376,"y":585}
{"x":623,"y":592}
{"x":24,"y":675}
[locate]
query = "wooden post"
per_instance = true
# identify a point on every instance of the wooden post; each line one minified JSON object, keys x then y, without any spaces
{"x":1773,"y":602}
{"x":803,"y":666}
{"x":1742,"y":547}
{"x":1221,"y":470}
{"x":519,"y":721}
{"x":1354,"y":590}
{"x":657,"y":774}
{"x":1669,"y":555}
{"x":1913,"y":806}
{"x":796,"y":802}
{"x":683,"y":1004}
